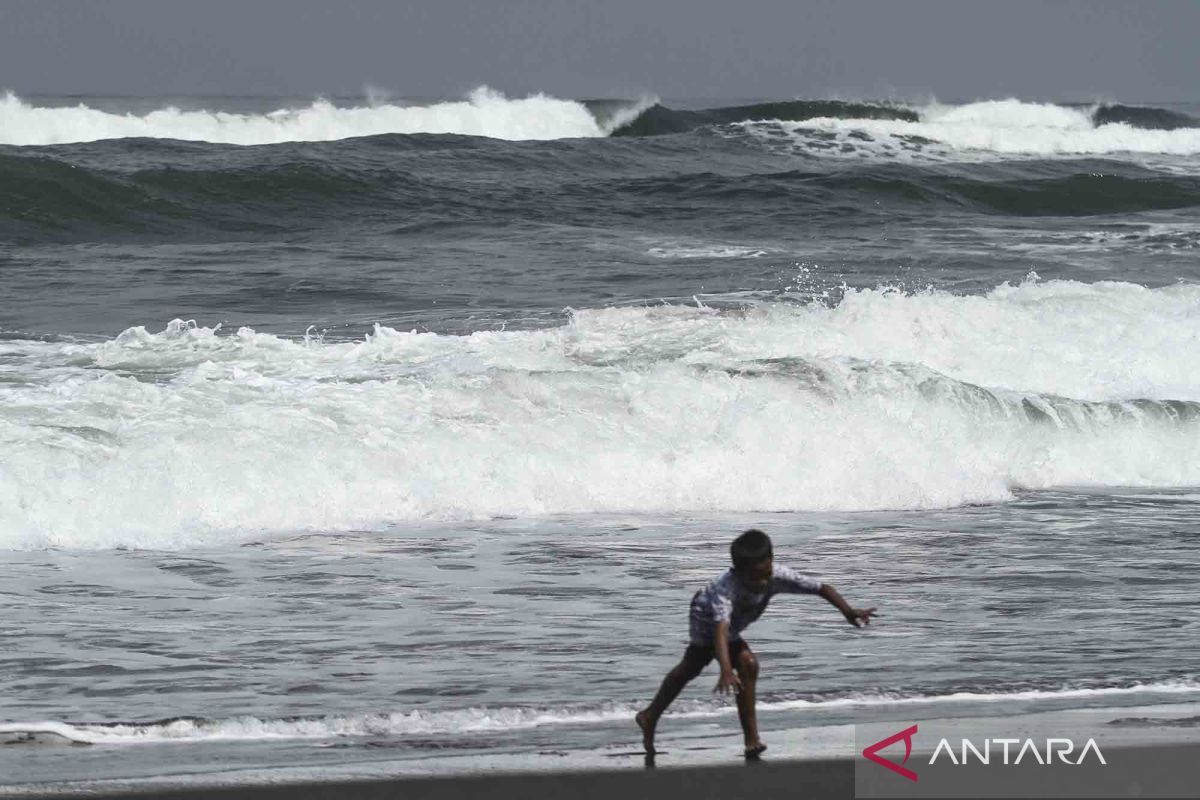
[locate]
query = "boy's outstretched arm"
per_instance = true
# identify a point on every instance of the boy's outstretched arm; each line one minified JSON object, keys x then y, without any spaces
{"x":855,"y":616}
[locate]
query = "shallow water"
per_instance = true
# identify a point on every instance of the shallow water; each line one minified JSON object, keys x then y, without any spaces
{"x":550,"y":632}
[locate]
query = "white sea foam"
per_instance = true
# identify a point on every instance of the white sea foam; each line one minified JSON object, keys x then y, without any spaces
{"x":499,"y":720}
{"x":704,"y":251}
{"x":998,"y":127}
{"x":483,"y":113}
{"x":992,"y":127}
{"x":885,"y":400}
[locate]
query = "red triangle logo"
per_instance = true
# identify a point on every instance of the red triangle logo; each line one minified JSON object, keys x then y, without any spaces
{"x":872,"y":753}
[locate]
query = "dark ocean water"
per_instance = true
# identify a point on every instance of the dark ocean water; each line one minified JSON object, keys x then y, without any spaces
{"x":344,"y":429}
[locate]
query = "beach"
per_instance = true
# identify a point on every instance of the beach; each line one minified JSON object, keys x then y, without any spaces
{"x":1140,"y":751}
{"x":383,"y":444}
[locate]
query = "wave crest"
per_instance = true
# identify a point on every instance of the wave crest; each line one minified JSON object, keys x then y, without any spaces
{"x":658,"y":120}
{"x":1001,"y":126}
{"x":883,"y":400}
{"x":483,"y":113}
{"x":993,"y":127}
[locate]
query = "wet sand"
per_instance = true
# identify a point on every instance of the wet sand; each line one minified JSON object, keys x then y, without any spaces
{"x":1140,"y":771}
{"x":831,"y":778}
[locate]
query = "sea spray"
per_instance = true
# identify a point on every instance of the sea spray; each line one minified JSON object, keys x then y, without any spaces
{"x":483,"y":113}
{"x":986,"y":129}
{"x":885,"y":400}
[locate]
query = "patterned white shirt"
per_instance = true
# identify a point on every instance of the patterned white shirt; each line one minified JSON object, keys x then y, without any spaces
{"x":726,"y":599}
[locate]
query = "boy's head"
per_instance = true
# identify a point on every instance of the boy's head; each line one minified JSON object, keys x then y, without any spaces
{"x":752,"y":559}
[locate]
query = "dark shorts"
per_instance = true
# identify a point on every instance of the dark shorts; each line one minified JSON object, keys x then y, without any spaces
{"x":704,"y":653}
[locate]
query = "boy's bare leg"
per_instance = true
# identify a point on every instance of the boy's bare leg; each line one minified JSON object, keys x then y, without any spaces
{"x":747,"y":670}
{"x":688,"y":668}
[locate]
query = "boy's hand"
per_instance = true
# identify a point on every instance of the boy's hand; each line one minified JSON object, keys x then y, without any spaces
{"x":855,"y":616}
{"x":860,"y":616}
{"x":728,"y":680}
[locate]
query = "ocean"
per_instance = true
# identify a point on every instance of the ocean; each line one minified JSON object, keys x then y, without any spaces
{"x":377,"y":436}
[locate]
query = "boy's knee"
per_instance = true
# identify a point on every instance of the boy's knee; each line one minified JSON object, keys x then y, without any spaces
{"x":748,"y":664}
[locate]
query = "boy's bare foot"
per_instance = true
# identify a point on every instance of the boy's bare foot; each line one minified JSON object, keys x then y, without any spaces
{"x":755,"y":751}
{"x":647,"y":727}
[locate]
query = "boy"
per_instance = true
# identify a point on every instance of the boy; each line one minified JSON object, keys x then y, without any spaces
{"x":719,"y":614}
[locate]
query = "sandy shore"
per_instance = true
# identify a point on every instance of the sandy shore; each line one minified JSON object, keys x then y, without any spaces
{"x":1143,"y":772}
{"x":815,"y":779}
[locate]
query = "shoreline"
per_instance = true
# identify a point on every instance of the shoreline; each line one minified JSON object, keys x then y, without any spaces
{"x":1144,"y":746}
{"x":820,"y":778}
{"x":1143,"y":771}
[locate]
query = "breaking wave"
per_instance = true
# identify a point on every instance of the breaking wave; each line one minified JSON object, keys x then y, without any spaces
{"x":881,"y":400}
{"x":997,"y":127}
{"x":483,"y":113}
{"x":1002,"y":126}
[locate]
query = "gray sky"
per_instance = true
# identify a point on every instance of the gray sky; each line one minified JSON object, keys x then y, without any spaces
{"x":1068,"y":49}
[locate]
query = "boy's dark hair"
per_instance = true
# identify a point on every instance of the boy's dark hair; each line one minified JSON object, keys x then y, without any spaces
{"x":750,"y":548}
